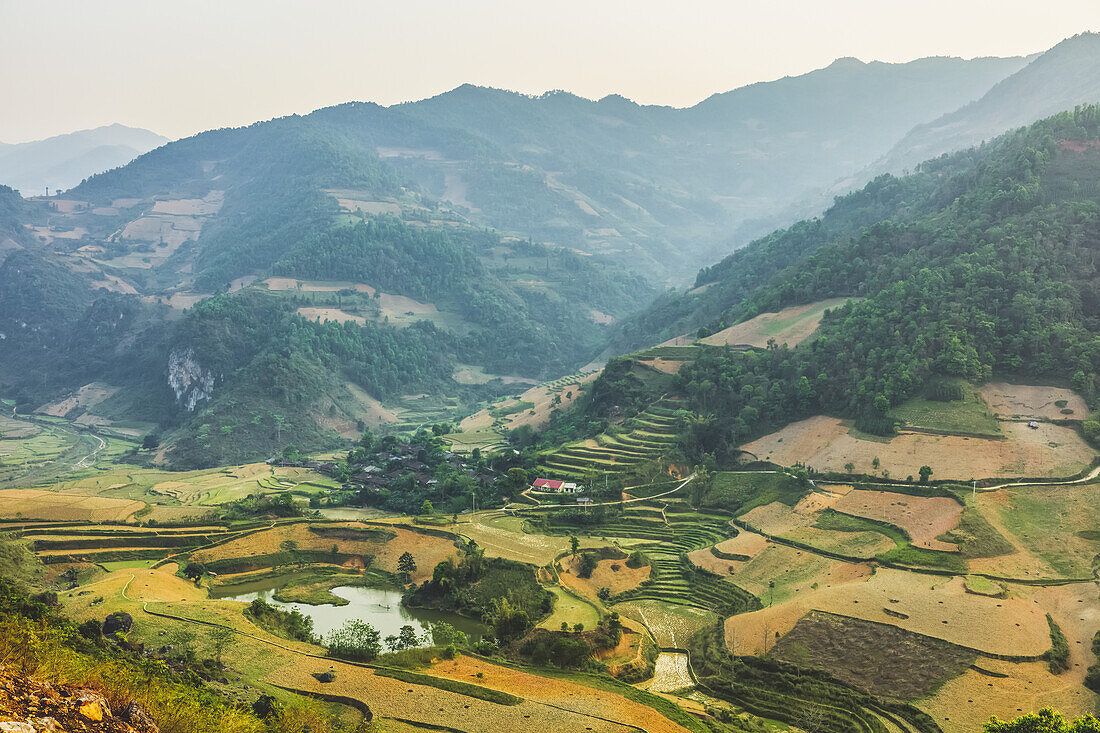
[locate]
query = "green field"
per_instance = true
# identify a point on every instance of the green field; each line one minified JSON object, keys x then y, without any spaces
{"x":570,"y":609}
{"x":1058,"y":524}
{"x":969,"y":415}
{"x":743,"y":491}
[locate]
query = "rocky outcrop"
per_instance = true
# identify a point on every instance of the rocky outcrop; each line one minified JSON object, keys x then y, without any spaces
{"x":33,"y":706}
{"x":190,"y":382}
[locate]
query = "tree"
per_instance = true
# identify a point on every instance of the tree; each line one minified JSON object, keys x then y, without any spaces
{"x":518,"y":478}
{"x":508,"y":621}
{"x":925,"y":472}
{"x":406,"y":565}
{"x":150,"y":442}
{"x":426,"y":509}
{"x":291,"y":547}
{"x":604,"y":594}
{"x":588,"y":565}
{"x":574,"y":544}
{"x":356,"y":640}
{"x":221,"y":638}
{"x":578,"y":627}
{"x":443,"y":634}
{"x":408,"y":637}
{"x":194,"y":571}
{"x":1044,"y":721}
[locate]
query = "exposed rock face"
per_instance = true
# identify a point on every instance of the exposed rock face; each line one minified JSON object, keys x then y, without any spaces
{"x":187,"y":378}
{"x":118,"y":621}
{"x":33,"y":706}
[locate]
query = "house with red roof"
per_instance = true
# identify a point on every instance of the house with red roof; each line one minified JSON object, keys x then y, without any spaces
{"x":545,"y":484}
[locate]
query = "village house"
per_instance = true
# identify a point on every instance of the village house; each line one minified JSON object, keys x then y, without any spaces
{"x":547,"y":485}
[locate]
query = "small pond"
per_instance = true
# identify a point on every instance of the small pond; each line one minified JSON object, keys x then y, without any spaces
{"x":379,"y":607}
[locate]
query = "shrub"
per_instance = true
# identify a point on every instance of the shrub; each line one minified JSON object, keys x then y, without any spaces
{"x":1058,"y":655}
{"x":355,"y":640}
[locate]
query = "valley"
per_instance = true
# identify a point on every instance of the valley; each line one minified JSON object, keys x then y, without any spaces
{"x":778,"y":564}
{"x":401,"y":418}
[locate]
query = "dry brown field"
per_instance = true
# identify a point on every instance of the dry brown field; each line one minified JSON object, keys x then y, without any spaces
{"x":64,"y":506}
{"x":604,"y":576}
{"x":668,"y":366}
{"x":923,"y":518}
{"x":330,"y":314}
{"x":826,"y":444}
{"x":965,"y":703}
{"x":428,"y":551}
{"x":86,"y":397}
{"x":797,"y":523}
{"x":1027,"y":402}
{"x":789,"y":326}
{"x":935,"y":606}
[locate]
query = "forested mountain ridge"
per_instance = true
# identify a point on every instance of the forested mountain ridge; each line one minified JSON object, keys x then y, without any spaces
{"x":1059,"y":79}
{"x":981,"y":263}
{"x":375,"y":292}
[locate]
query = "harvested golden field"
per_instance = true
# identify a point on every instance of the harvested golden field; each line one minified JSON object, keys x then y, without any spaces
{"x":428,"y":551}
{"x":330,"y":314}
{"x":1025,"y":402}
{"x":604,"y":576}
{"x":555,"y":704}
{"x":85,"y":398}
{"x":827,"y":444}
{"x":571,"y":695}
{"x":923,"y":518}
{"x":794,"y":572}
{"x":797,"y":523}
{"x":501,"y":535}
{"x":209,"y":204}
{"x":965,"y":703}
{"x":63,"y":506}
{"x":933,"y":606}
{"x":789,"y":326}
{"x":542,"y":399}
{"x":668,"y":366}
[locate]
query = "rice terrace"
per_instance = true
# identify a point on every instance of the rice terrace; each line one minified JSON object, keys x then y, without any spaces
{"x":776,"y":568}
{"x":648,"y":407}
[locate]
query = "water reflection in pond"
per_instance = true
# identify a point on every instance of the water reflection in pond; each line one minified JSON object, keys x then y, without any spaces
{"x":381,"y":608}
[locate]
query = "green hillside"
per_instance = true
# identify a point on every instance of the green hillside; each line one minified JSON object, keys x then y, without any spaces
{"x":980,"y":264}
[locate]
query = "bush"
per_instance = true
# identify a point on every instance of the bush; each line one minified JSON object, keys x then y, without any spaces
{"x":1058,"y":655}
{"x":356,"y":640}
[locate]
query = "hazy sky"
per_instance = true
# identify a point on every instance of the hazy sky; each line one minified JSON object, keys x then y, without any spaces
{"x":178,"y":67}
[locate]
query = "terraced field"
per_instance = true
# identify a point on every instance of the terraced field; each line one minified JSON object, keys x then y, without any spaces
{"x":673,"y":578}
{"x":110,"y":545}
{"x":654,"y":433}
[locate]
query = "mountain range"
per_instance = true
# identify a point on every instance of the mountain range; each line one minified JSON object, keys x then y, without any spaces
{"x":63,"y":161}
{"x":362,"y":265}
